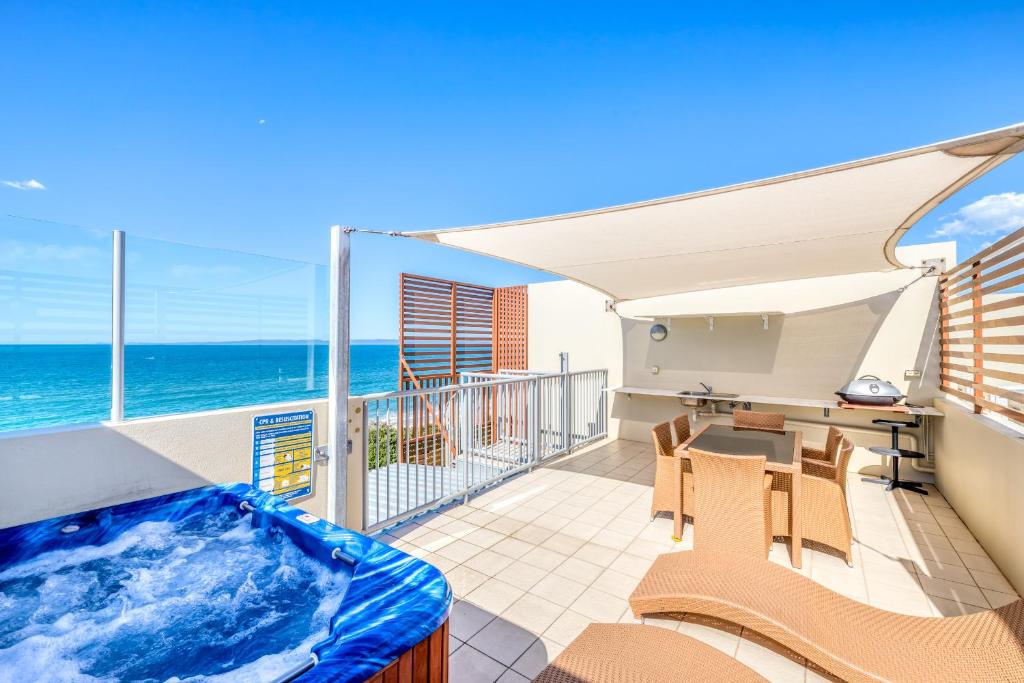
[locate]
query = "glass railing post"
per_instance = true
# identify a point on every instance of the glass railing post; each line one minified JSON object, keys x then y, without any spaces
{"x":117,"y":329}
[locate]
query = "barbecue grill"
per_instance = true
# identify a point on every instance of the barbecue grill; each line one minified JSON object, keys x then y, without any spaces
{"x":871,"y":391}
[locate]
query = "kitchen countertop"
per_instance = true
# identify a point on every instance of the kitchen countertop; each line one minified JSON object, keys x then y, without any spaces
{"x":771,"y":400}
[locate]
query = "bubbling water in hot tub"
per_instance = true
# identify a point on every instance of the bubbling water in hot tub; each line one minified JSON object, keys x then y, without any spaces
{"x":204,"y":598}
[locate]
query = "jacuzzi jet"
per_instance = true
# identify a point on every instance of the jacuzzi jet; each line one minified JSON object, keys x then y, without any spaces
{"x":339,"y":554}
{"x":298,"y":670}
{"x":69,"y":529}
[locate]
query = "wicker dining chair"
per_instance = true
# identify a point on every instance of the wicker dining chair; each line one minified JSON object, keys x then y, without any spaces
{"x":752,"y":419}
{"x":824,"y":513}
{"x":812,"y":455}
{"x":664,"y":499}
{"x":681,"y":426}
{"x":684,"y":475}
{"x":732,"y":503}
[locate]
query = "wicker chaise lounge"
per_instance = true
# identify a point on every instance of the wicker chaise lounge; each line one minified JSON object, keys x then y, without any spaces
{"x":846,"y":638}
{"x":631,"y":653}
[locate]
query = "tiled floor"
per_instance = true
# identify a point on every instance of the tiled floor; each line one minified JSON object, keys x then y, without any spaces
{"x":534,"y":560}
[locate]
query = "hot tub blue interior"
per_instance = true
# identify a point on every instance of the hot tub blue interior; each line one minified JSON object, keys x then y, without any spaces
{"x":190,"y":586}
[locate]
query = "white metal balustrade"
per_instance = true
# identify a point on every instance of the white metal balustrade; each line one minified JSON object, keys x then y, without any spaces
{"x":423,"y":448}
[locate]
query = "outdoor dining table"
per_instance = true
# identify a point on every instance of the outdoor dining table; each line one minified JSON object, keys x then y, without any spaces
{"x":782,"y":457}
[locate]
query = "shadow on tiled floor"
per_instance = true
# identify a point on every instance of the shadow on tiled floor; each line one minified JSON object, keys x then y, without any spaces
{"x":534,"y":560}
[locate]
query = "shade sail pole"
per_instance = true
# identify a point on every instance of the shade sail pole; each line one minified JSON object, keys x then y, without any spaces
{"x":337,"y":391}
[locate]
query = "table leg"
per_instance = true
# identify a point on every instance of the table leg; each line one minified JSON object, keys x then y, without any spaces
{"x":795,"y":527}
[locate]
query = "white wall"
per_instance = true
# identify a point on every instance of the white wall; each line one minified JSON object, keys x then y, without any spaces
{"x":980,"y":471}
{"x":806,"y":354}
{"x":831,"y":338}
{"x":52,"y":472}
{"x":568,"y":316}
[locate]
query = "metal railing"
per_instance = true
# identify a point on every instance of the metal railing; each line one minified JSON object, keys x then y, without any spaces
{"x":480,"y":431}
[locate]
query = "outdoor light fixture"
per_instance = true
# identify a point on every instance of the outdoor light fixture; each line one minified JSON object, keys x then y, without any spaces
{"x":658,"y":332}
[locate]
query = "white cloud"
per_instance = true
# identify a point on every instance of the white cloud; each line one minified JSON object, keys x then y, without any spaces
{"x":30,"y":184}
{"x":993,"y":214}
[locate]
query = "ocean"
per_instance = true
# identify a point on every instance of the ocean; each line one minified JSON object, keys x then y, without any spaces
{"x":45,"y":385}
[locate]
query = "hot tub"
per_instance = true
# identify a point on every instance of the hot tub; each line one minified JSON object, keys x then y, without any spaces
{"x":222,"y":583}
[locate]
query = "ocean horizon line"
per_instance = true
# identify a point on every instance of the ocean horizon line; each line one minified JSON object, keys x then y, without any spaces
{"x":239,"y":342}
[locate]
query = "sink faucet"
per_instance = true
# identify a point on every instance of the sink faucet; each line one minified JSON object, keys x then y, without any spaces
{"x":707,"y":388}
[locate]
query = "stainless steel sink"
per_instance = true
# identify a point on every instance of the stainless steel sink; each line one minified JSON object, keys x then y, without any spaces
{"x":701,"y":398}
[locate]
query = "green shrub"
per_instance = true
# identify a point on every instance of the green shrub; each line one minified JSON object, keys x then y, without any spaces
{"x":381,"y":445}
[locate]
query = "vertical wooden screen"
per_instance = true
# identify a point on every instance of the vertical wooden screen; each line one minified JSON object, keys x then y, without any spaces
{"x":447,"y":328}
{"x":981,"y":309}
{"x":510,"y":328}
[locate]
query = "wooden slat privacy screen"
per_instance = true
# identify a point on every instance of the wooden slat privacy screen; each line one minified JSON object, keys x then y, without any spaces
{"x":510,"y":328}
{"x":981,"y":309}
{"x":447,"y":328}
{"x":444,"y":328}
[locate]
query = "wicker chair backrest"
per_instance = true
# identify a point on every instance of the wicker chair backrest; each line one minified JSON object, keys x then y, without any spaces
{"x":662,"y":435}
{"x":682,"y":427}
{"x":752,"y":419}
{"x":729,"y":505}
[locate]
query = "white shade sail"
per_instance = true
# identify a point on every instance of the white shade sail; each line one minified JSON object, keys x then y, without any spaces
{"x":829,"y":221}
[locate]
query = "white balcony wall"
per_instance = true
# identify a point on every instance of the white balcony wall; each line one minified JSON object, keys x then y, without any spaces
{"x":52,"y":472}
{"x":979,"y":467}
{"x":567,"y":316}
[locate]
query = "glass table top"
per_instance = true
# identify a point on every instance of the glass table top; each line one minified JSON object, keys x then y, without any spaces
{"x":777,"y":447}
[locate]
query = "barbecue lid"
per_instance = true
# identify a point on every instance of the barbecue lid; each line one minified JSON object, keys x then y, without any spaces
{"x":869,"y":385}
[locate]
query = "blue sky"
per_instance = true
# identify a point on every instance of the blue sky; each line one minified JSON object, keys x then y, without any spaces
{"x":255,"y":127}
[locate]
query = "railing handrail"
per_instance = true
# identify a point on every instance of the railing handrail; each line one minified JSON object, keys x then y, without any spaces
{"x":505,"y":375}
{"x":450,"y":388}
{"x":454,"y":387}
{"x":527,"y":374}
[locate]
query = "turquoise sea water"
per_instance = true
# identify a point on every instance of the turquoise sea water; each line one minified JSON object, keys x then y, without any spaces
{"x":46,"y":385}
